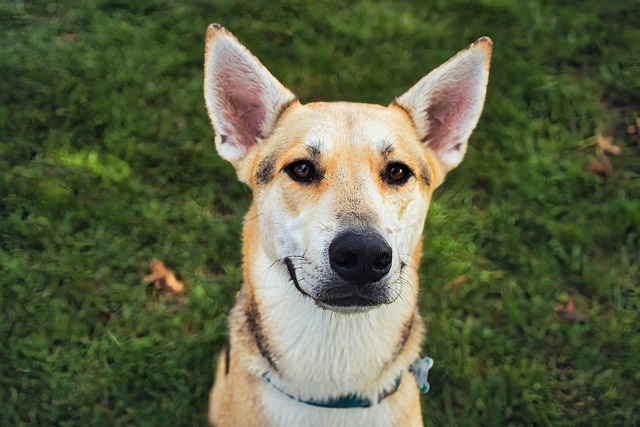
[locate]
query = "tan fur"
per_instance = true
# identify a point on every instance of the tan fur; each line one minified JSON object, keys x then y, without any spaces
{"x":351,"y":144}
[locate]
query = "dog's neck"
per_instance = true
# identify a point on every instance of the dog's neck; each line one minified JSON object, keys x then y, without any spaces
{"x":318,"y":354}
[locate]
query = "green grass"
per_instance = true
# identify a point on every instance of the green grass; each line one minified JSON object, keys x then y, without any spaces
{"x":107,"y":161}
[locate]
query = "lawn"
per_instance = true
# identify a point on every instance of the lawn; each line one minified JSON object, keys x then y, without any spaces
{"x":531,"y":273}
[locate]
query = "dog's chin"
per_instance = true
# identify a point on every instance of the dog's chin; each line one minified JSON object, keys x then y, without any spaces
{"x":348,"y":305}
{"x":344,"y":309}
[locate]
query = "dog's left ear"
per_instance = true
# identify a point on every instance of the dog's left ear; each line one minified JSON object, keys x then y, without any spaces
{"x":446,"y":104}
{"x":243,"y":99}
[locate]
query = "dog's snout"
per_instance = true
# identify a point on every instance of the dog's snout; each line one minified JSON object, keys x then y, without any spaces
{"x":360,"y":258}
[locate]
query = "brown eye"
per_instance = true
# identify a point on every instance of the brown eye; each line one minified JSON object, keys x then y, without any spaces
{"x":397,"y":173}
{"x":301,"y":171}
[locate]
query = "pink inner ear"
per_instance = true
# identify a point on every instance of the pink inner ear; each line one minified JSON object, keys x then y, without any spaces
{"x":445,"y":114}
{"x":241,"y":106}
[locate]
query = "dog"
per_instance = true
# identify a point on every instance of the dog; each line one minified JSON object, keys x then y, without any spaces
{"x":326,"y":324}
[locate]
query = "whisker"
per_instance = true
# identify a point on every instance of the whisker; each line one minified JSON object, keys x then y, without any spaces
{"x":401,"y":228}
{"x":323,"y":226}
{"x":409,"y":255}
{"x":252,"y":218}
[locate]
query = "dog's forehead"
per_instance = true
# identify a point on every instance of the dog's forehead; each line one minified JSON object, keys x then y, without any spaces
{"x":335,"y":127}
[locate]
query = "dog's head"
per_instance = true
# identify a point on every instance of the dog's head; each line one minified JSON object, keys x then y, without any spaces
{"x":341,"y":190}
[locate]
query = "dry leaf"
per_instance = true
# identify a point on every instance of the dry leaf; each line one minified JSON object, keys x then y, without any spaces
{"x":568,"y":312}
{"x":162,"y":278}
{"x":599,"y":165}
{"x":606,"y":145}
{"x":457,"y":282}
{"x":68,"y":37}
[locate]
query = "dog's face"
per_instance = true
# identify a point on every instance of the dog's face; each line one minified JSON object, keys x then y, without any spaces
{"x":341,"y":190}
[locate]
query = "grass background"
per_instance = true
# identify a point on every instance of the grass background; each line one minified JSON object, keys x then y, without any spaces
{"x":107,"y":161}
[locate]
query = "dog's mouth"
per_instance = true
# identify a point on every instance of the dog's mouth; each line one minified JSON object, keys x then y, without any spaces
{"x":345,"y":300}
{"x":292,"y":274}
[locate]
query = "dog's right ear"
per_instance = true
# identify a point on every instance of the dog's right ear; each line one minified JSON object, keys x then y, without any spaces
{"x":243,"y":99}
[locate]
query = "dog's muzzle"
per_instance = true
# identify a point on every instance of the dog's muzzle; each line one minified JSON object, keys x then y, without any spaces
{"x":360,"y":262}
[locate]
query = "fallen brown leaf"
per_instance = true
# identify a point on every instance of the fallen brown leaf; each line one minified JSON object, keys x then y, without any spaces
{"x":606,"y":145}
{"x":632,"y":132}
{"x":457,"y":283}
{"x":568,"y":312}
{"x":68,"y":37}
{"x":162,"y":278}
{"x":599,"y":165}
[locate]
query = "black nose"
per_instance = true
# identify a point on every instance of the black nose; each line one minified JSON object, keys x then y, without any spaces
{"x":360,"y":258}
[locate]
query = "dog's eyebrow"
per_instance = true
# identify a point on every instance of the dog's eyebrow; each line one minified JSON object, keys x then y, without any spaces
{"x":313,"y":149}
{"x":387,"y":149}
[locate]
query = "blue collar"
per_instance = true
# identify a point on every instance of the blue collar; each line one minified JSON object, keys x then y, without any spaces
{"x":340,"y":402}
{"x":419,"y":368}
